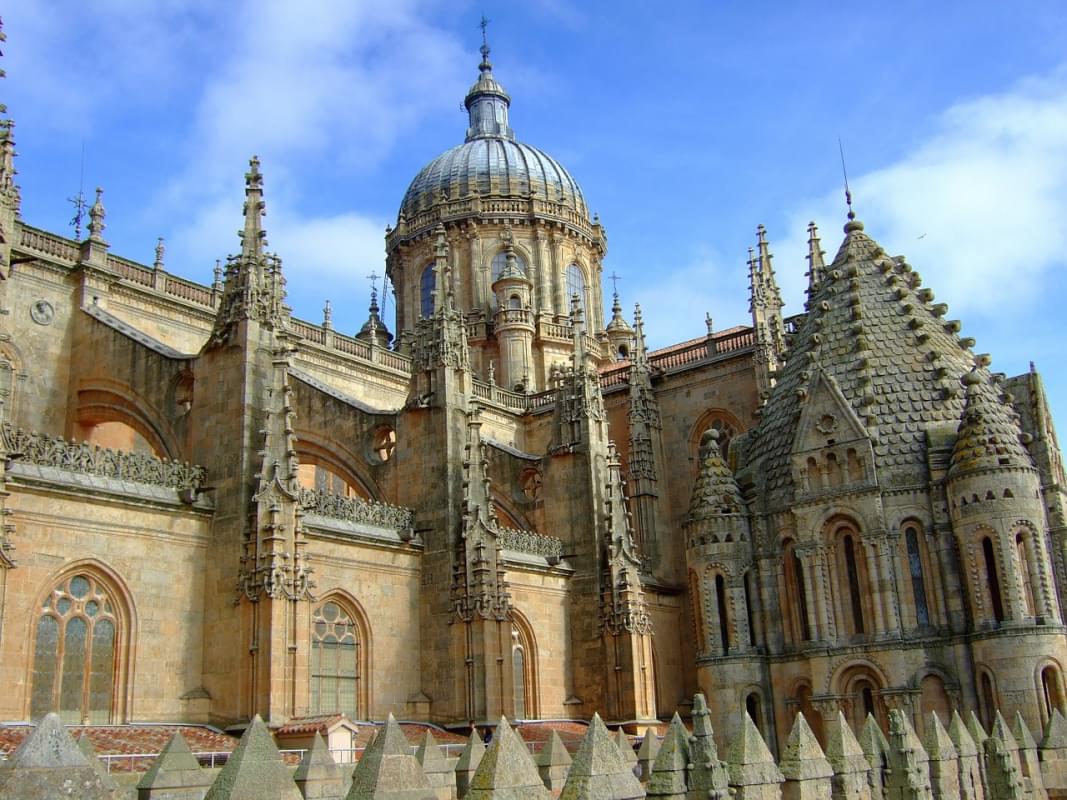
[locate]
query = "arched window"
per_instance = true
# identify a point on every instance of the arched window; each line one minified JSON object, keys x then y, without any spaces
{"x":796,"y":598}
{"x":576,"y":288}
{"x":323,"y":479}
{"x":749,"y":579}
{"x":335,"y":667}
{"x":992,"y":580}
{"x":698,"y":615}
{"x":76,"y":652}
{"x":1022,"y":550}
{"x":501,"y":259}
{"x":855,"y":597}
{"x":1051,"y":691}
{"x":724,"y":622}
{"x":518,"y":668}
{"x":426,"y":287}
{"x":988,"y":696}
{"x":752,"y":706}
{"x":915,"y":569}
{"x":933,"y":696}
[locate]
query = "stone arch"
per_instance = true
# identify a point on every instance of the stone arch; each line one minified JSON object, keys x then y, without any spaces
{"x":104,"y":581}
{"x":918,"y":565}
{"x":523,"y":636}
{"x":104,"y":402}
{"x":794,"y":596}
{"x":508,"y":514}
{"x":753,"y":701}
{"x":718,"y":601}
{"x":364,"y":649}
{"x":861,"y":682}
{"x":938,"y":693}
{"x":801,"y":696}
{"x":313,"y":450}
{"x":988,"y":698}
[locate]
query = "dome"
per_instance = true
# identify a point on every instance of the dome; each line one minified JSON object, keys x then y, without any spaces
{"x":497,"y":166}
{"x":490,"y":163}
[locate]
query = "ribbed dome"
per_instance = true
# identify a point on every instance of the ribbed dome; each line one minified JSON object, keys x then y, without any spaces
{"x":492,"y":166}
{"x":490,"y":162}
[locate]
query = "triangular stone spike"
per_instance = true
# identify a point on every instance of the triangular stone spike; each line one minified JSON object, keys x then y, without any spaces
{"x":49,"y":761}
{"x":318,"y":775}
{"x":175,"y":773}
{"x":439,"y":770}
{"x":253,"y":765}
{"x":626,"y":748}
{"x":646,"y":754}
{"x":668,"y":777}
{"x":806,"y":771}
{"x":507,"y":771}
{"x":428,"y":753}
{"x":909,"y":774}
{"x":1003,"y":732}
{"x":943,"y":760}
{"x":977,"y":731}
{"x":1031,"y":767}
{"x":468,"y":763}
{"x":849,"y":764}
{"x":969,"y":761}
{"x":599,"y":771}
{"x":1003,"y":780}
{"x":388,"y":770}
{"x":553,"y":763}
{"x":876,"y":749}
{"x":89,"y":752}
{"x":709,"y":778}
{"x":1054,"y":754}
{"x":753,"y":772}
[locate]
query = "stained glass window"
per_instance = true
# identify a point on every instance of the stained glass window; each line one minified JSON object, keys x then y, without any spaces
{"x":74,"y":653}
{"x":918,"y":585}
{"x":334,"y":661}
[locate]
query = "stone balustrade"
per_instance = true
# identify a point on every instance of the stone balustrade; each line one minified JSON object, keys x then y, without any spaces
{"x":531,"y":542}
{"x":356,"y":509}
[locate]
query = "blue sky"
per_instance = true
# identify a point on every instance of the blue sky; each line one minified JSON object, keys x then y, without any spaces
{"x":686,"y":127}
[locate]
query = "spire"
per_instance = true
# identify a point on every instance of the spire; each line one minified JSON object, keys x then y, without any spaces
{"x":253,"y":237}
{"x":487,"y":102}
{"x":816,"y":265}
{"x":715,"y":491}
{"x":766,"y":267}
{"x":9,"y":190}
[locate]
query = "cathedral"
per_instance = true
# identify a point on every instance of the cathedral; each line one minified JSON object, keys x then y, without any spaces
{"x":501,"y":502}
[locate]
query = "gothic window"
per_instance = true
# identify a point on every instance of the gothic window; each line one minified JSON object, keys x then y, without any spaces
{"x":698,"y":614}
{"x":992,"y":579}
{"x":325,"y":480}
{"x":518,"y":668}
{"x":335,"y":673}
{"x":576,"y":288}
{"x":796,"y":610}
{"x":426,"y":286}
{"x":724,"y":622}
{"x":75,"y":653}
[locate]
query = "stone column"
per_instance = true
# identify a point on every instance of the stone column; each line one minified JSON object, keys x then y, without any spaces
{"x":870,"y":551}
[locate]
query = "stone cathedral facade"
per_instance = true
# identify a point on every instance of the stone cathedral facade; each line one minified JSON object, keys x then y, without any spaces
{"x":213,"y":510}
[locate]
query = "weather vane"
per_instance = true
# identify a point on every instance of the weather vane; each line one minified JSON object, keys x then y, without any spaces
{"x":78,"y":201}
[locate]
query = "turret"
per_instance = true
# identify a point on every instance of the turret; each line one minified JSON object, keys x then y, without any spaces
{"x":514,"y":324}
{"x":620,"y":334}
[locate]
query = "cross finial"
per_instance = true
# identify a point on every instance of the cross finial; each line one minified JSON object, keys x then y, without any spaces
{"x":844,"y":172}
{"x":614,"y":282}
{"x":373,"y":278}
{"x":484,"y":25}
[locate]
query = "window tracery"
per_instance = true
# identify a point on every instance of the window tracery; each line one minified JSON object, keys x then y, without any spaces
{"x":335,"y":667}
{"x":75,"y":652}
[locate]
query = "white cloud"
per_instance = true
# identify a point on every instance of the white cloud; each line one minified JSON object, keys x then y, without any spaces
{"x":978,"y":207}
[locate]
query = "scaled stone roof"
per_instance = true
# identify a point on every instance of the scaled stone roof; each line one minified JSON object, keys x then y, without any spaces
{"x":896,"y":362}
{"x":715,"y":491}
{"x":989,"y":435}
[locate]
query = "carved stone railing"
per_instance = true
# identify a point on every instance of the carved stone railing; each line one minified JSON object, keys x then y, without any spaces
{"x":131,"y":270}
{"x":356,"y":509}
{"x":54,"y":451}
{"x":516,"y":401}
{"x":531,"y":542}
{"x":48,"y":244}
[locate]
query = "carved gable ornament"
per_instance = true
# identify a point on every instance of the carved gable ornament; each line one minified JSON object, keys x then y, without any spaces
{"x":831,"y":447}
